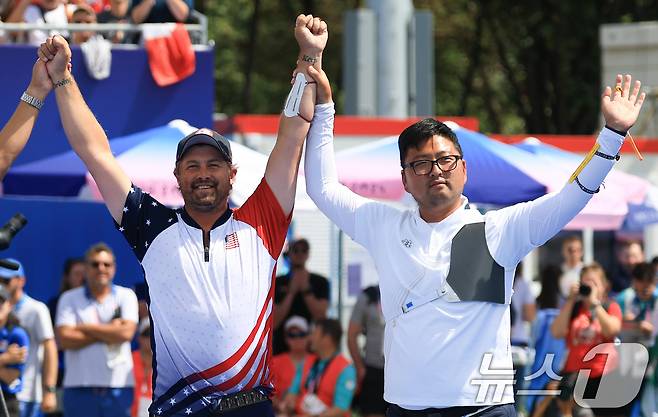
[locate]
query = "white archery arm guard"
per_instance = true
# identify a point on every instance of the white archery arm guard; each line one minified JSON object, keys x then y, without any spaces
{"x":294,"y":99}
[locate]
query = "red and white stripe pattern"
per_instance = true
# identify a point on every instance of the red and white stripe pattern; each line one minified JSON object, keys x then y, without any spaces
{"x":232,"y":241}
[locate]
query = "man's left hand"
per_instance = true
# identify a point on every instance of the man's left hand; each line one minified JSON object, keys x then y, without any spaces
{"x":620,"y":106}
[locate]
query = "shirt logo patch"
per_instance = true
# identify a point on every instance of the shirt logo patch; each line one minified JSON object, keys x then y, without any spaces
{"x":407,"y":243}
{"x":232,"y":241}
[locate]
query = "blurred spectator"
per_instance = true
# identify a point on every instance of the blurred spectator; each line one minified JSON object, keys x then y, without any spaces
{"x":299,"y":293}
{"x":98,"y":6}
{"x":14,"y":343}
{"x":73,"y":276}
{"x":5,"y":8}
{"x":637,"y":303}
{"x":523,"y":304}
{"x":160,"y":11}
{"x":586,"y":321}
{"x":95,"y":324}
{"x":143,"y":370}
{"x":639,"y":324}
{"x":367,"y":318}
{"x":83,"y":14}
{"x":572,"y":256}
{"x":522,"y":314}
{"x":296,"y":363}
{"x":117,"y":13}
{"x":629,"y":254}
{"x":40,"y":12}
{"x":40,"y":374}
{"x":545,"y":344}
{"x":330,"y":384}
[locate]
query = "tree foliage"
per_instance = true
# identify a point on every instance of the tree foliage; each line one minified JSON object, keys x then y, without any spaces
{"x":531,"y":66}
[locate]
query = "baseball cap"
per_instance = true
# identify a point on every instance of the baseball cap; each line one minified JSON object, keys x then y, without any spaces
{"x":6,"y":273}
{"x":205,"y":137}
{"x":296,"y":321}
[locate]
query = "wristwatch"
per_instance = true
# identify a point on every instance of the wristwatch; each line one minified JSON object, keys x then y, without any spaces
{"x":32,"y":101}
{"x":50,"y":388}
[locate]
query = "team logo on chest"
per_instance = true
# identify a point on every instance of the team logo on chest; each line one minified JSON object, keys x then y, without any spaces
{"x":407,"y":243}
{"x":232,"y":241}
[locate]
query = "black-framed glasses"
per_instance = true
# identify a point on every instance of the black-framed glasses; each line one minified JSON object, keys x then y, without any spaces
{"x":424,"y":166}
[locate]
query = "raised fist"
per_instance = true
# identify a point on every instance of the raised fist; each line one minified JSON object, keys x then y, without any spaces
{"x":311,"y":34}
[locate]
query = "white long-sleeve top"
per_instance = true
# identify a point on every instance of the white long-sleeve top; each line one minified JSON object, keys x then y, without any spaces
{"x":434,"y":352}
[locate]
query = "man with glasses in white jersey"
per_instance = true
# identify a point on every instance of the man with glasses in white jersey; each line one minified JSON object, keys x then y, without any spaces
{"x":446,"y":270}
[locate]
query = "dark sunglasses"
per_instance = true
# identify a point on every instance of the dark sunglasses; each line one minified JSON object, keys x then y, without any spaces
{"x":296,"y":335}
{"x":96,"y":264}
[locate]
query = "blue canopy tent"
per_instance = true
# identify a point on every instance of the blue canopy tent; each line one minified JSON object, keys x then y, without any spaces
{"x":641,"y":197}
{"x":497,"y":173}
{"x":63,"y":175}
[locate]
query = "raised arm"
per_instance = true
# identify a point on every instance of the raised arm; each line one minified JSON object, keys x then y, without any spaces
{"x":15,"y":133}
{"x":335,"y":200}
{"x":514,"y":231}
{"x":83,"y":131}
{"x":283,"y":163}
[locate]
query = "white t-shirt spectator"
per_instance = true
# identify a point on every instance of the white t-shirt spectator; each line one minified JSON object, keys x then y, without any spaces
{"x":35,"y":319}
{"x":98,"y":364}
{"x":569,"y":277}
{"x":34,"y":14}
{"x":522,"y":296}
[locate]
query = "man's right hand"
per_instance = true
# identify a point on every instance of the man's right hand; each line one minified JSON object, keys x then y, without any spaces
{"x":311,"y":35}
{"x":56,"y":53}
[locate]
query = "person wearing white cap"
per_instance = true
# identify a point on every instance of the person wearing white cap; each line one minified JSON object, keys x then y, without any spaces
{"x":209,"y":268}
{"x":297,"y":362}
{"x":40,"y":376}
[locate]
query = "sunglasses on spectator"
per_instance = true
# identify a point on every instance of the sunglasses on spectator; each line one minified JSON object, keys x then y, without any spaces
{"x":96,"y":264}
{"x":296,"y":335}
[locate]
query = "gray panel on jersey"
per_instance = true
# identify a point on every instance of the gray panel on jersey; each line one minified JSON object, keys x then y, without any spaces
{"x":474,"y":275}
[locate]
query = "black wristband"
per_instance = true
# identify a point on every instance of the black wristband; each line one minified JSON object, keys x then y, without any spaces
{"x":606,"y":156}
{"x":587,"y":190}
{"x":619,"y":132}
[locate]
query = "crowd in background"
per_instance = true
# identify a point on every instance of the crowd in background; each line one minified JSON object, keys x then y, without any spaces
{"x":102,"y":332}
{"x":63,"y":12}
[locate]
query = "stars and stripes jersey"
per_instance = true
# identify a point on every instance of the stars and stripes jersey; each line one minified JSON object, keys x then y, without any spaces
{"x":210,"y":305}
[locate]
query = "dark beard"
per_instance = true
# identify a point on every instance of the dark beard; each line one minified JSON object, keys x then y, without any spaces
{"x":207,"y":206}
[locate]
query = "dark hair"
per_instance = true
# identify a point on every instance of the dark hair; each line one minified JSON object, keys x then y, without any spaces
{"x":571,"y":238}
{"x":85,"y":10}
{"x":550,"y":287}
{"x":69,"y":263}
{"x":643,"y":272}
{"x":300,"y":242}
{"x":625,"y":244}
{"x":416,"y":134}
{"x":332,"y":328}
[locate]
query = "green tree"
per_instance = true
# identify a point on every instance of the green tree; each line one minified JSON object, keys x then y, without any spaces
{"x":531,"y":66}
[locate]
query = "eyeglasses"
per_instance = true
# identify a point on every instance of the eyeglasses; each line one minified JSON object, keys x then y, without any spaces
{"x":424,"y":166}
{"x":296,"y":335}
{"x":96,"y":264}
